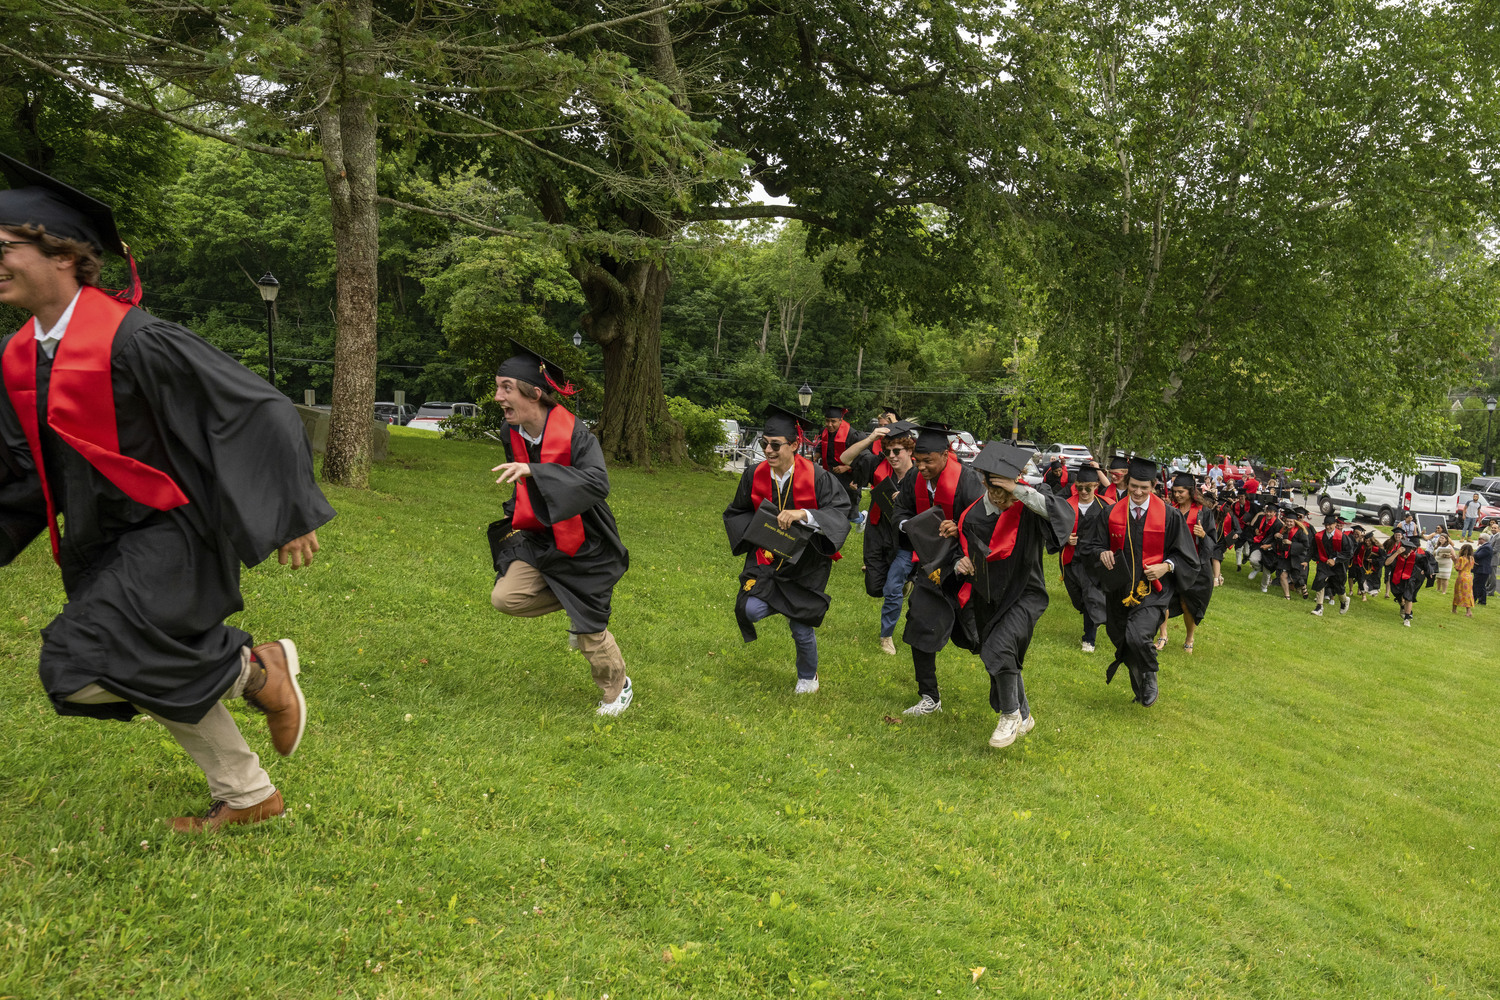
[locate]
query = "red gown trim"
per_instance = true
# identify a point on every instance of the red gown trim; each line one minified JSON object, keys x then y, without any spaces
{"x":557,"y":448}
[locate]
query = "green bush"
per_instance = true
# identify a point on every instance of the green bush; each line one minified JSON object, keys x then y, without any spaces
{"x":701,"y":427}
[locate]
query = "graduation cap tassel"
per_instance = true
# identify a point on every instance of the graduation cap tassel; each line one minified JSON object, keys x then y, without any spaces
{"x":566,"y":389}
{"x":132,"y":293}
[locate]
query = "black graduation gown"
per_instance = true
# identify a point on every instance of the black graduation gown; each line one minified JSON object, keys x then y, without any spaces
{"x":1195,"y":598}
{"x":148,"y":590}
{"x":1018,"y":584}
{"x":932,"y":609}
{"x":1078,"y":579}
{"x":883,"y":539}
{"x":583,"y":583}
{"x":1331,"y":578}
{"x":1270,"y":558}
{"x":797,"y":590}
{"x":826,"y":451}
{"x":1292,"y":552}
{"x":1133,"y":628}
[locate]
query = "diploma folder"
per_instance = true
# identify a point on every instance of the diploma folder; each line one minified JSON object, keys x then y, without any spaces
{"x":884,"y":494}
{"x":765,"y":533}
{"x":931,"y":548}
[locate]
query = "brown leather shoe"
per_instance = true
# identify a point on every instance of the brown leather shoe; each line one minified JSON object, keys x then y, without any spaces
{"x":220,"y":814}
{"x":279,"y":695}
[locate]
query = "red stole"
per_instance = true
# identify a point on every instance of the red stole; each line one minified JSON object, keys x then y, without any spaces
{"x":1291,"y":532}
{"x":1266,"y":526}
{"x":947,"y":483}
{"x":81,"y":404}
{"x":830,"y":448}
{"x":1191,"y":517}
{"x":1402,"y":568}
{"x":1153,"y":538}
{"x":1002,"y":541}
{"x":1067,"y":552}
{"x":763,"y":488}
{"x":1112,"y":493}
{"x":1338,"y":543}
{"x":881,"y":474}
{"x":556,"y":447}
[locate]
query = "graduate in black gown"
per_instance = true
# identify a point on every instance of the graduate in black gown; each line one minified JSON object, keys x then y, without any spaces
{"x":1192,"y":601}
{"x":1144,"y":555}
{"x":1294,"y":542}
{"x":830,"y":445}
{"x":1004,"y":537}
{"x":1409,"y":568}
{"x":170,"y":465}
{"x":933,"y":614}
{"x":1263,"y":531}
{"x":809,"y":500}
{"x":557,"y":548}
{"x":1332,"y":549}
{"x":1081,"y":583}
{"x":883,"y":461}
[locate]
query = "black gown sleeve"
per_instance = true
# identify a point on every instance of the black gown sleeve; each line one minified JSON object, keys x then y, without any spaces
{"x":569,"y":490}
{"x":832,"y":513}
{"x":245,"y":438}
{"x":1179,"y":547}
{"x":738,"y":514}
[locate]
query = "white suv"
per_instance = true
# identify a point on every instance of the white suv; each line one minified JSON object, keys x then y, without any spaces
{"x":1072,"y":455}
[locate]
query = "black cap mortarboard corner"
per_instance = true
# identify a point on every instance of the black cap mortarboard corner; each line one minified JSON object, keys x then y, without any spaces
{"x":1119,"y":462}
{"x":1184,"y":480}
{"x":901,"y":429}
{"x":781,"y":422}
{"x":1086,"y":468}
{"x":932,"y":438}
{"x":834,"y":410}
{"x":38,"y":199}
{"x":529,"y":366}
{"x":1001,"y":458}
{"x":1142,"y":469}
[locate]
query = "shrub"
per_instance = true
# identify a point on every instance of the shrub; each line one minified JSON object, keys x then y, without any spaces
{"x":701,"y":427}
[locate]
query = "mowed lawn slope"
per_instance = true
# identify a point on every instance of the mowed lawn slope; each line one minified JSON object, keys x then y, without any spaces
{"x":1309,"y":811}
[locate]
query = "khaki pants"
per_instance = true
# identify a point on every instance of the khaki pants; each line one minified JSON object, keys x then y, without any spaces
{"x":522,"y":593}
{"x":215,"y":743}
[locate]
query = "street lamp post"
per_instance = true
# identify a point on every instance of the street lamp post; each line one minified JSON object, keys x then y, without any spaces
{"x":1489,"y":404}
{"x":804,"y":397}
{"x":577,"y":338}
{"x":269,"y":286}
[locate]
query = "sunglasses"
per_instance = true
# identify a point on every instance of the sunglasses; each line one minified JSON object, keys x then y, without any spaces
{"x":5,"y":245}
{"x":769,"y":445}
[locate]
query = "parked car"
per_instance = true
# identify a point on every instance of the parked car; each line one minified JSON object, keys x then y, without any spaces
{"x":432,"y":414}
{"x":394,"y":413}
{"x":1234,"y":472}
{"x":1488,"y":488}
{"x":1072,"y":455}
{"x":964,"y":446}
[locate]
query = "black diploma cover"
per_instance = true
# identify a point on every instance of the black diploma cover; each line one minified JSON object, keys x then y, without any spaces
{"x":884,"y":493}
{"x":765,"y":533}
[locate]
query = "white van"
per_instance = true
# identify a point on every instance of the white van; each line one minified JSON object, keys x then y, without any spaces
{"x":1429,"y":488}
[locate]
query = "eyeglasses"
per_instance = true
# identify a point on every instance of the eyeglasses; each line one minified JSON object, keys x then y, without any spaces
{"x":769,"y":445}
{"x":5,"y":245}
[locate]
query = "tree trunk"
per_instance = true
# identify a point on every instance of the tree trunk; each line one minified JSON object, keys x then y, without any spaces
{"x":350,"y":149}
{"x":625,"y":319}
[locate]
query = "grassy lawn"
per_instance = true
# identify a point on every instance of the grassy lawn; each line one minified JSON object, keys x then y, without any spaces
{"x":1309,"y":811}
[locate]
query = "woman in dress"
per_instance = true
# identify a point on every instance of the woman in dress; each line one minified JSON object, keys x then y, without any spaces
{"x":1463,"y":581}
{"x":1442,"y":551}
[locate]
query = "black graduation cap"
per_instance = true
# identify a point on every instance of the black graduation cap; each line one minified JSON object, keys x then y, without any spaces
{"x":1410,"y":542}
{"x":781,"y":422}
{"x":834,"y":410}
{"x":1119,"y":462}
{"x":1300,"y":511}
{"x":932,"y":438}
{"x":1184,"y":480}
{"x":1001,"y":458}
{"x":900,"y":429}
{"x":529,"y":366}
{"x":1142,"y":469}
{"x":1088,"y":467}
{"x":38,"y":199}
{"x":1331,"y":519}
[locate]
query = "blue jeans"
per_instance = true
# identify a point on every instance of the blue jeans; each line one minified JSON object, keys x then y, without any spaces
{"x":1469,"y":523}
{"x":895,"y":581}
{"x":803,"y":634}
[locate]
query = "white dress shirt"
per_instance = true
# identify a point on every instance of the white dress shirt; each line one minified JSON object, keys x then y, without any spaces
{"x":780,"y":478}
{"x":51,"y":338}
{"x":1139,"y":510}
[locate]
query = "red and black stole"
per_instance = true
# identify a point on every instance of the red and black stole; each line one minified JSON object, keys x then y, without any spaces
{"x":831,"y":446}
{"x":804,"y":493}
{"x":1153,"y":537}
{"x":1338,"y":544}
{"x":1002,"y":540}
{"x":81,"y":404}
{"x":947,"y":484}
{"x":1191,"y":517}
{"x":556,"y":447}
{"x":1401,"y":569}
{"x":1067,"y":552}
{"x":881,"y":474}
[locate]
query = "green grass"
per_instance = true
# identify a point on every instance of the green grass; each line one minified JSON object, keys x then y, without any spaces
{"x":1309,"y":811}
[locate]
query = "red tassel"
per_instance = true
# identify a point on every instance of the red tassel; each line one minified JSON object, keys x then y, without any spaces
{"x":133,"y":293}
{"x":561,"y":390}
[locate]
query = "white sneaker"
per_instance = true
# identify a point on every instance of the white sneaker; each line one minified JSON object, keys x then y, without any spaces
{"x":1406,"y":622}
{"x":1006,"y":730}
{"x":887,"y":645}
{"x":573,"y":643}
{"x":1253,"y":574}
{"x":924,"y":707}
{"x":1344,"y":605}
{"x":806,"y":686}
{"x":1027,"y":725}
{"x":1318,"y":611}
{"x":620,"y":704}
{"x":1266,"y":588}
{"x":1088,"y":647}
